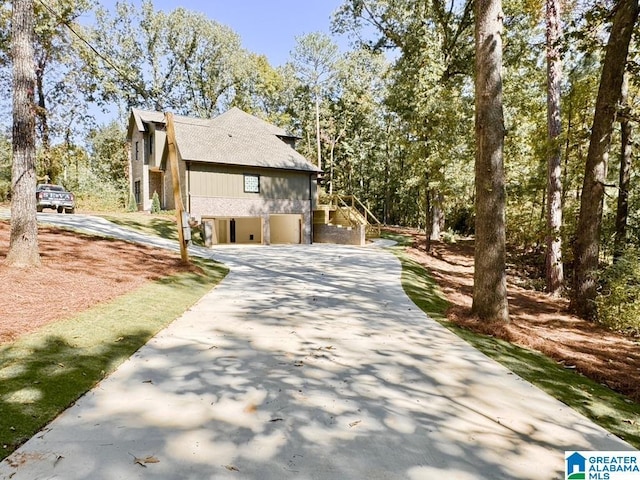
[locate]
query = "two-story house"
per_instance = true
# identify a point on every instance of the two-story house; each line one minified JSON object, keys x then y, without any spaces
{"x":239,"y":175}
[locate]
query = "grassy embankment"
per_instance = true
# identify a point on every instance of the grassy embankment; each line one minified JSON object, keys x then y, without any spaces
{"x":43,"y":373}
{"x":612,"y":411}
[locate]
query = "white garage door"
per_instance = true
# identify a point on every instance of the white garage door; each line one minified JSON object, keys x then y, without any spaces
{"x":285,"y":228}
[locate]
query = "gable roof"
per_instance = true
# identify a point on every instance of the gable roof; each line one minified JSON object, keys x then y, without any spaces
{"x":233,"y":138}
{"x":139,"y":118}
{"x":237,"y":119}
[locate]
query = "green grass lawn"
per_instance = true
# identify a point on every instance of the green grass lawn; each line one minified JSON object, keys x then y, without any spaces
{"x":161,"y":225}
{"x":43,"y":373}
{"x":612,"y":411}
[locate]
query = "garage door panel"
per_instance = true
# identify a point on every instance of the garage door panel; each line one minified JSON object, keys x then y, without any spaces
{"x":285,"y":228}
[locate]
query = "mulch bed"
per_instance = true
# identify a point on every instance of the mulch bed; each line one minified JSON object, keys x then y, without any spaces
{"x":538,"y":321}
{"x":77,"y":272}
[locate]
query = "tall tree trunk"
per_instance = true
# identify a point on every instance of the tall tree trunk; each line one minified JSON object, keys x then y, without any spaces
{"x":554,"y":270}
{"x":387,"y":189}
{"x":567,"y":150}
{"x":387,"y":176}
{"x":622,"y":211}
{"x":318,"y":145}
{"x":43,"y":121}
{"x":489,"y":280}
{"x":437,"y":215}
{"x":587,"y":247}
{"x":23,"y":244}
{"x":334,"y":142}
{"x":333,"y":146}
{"x":427,"y":216}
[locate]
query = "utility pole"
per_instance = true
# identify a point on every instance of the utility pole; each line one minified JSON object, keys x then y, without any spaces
{"x":175,"y":180}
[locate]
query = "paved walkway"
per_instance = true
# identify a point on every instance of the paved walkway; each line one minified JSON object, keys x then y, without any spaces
{"x":308,"y":362}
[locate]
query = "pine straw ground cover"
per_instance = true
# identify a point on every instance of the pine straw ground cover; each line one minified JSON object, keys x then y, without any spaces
{"x":64,"y":326}
{"x":77,"y":272}
{"x":582,"y":362}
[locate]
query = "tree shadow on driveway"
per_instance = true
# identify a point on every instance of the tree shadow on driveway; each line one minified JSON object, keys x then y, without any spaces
{"x":311,"y":363}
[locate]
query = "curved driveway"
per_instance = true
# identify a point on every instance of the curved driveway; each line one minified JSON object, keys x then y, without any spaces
{"x":308,"y":362}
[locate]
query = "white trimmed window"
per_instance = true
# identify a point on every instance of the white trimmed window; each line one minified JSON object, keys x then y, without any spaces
{"x":251,"y":183}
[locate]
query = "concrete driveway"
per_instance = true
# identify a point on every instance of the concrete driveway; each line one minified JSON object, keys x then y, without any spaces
{"x":308,"y":362}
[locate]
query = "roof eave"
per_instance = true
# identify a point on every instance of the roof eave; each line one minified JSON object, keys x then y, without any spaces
{"x":311,"y":169}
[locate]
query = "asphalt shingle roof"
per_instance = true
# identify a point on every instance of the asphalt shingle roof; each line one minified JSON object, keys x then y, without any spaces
{"x":233,"y":138}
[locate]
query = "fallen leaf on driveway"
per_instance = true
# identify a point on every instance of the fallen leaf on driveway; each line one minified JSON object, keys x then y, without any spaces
{"x":231,"y":468}
{"x":353,"y":424}
{"x":143,"y":461}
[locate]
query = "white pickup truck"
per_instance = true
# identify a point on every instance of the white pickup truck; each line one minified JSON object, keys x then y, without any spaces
{"x":55,"y":197}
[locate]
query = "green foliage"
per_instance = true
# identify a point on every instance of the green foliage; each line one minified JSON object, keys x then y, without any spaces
{"x":525,"y":152}
{"x":92,"y":192}
{"x":132,"y":205}
{"x":618,"y":300}
{"x":56,"y":164}
{"x":108,"y":153}
{"x":155,"y":203}
{"x":5,"y":190}
{"x":449,"y":236}
{"x":424,"y":145}
{"x":314,"y":56}
{"x":180,"y":61}
{"x":265,"y":91}
{"x":60,"y":110}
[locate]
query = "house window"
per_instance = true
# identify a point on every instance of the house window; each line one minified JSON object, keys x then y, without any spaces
{"x":252,"y":183}
{"x":136,"y":190}
{"x":137,"y":150}
{"x":151,"y":144}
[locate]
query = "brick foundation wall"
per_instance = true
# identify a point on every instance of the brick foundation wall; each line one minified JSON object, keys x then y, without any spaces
{"x":338,"y":235}
{"x":215,"y":207}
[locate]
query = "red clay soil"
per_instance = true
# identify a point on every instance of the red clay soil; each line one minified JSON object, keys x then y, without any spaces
{"x":77,"y":272}
{"x":538,"y":321}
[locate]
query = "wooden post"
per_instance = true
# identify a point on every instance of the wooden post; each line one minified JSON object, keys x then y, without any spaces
{"x":175,"y":180}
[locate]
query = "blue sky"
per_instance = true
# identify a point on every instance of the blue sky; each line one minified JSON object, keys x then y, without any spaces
{"x":266,"y":27}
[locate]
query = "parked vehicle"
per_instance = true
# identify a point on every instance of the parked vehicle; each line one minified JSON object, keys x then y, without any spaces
{"x":55,"y":197}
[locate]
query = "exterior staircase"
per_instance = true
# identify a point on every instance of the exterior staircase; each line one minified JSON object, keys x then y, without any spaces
{"x":346,"y":211}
